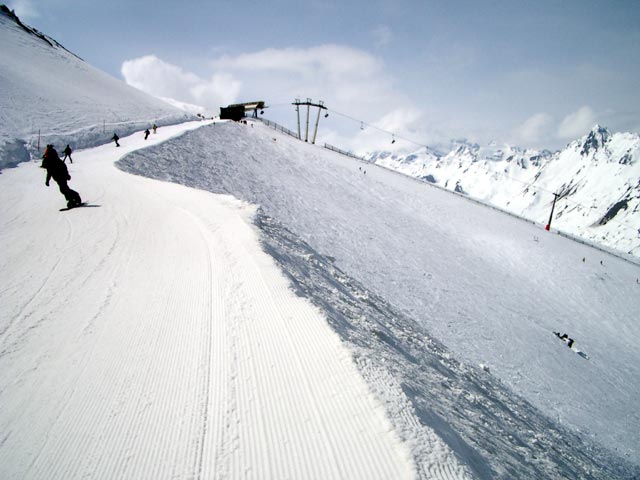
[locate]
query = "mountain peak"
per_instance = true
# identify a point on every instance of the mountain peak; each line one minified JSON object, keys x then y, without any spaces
{"x":600,"y":130}
{"x":11,"y":15}
{"x":597,"y":138}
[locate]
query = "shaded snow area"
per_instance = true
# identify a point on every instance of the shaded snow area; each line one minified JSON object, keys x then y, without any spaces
{"x":148,"y":336}
{"x":426,"y":287}
{"x":49,"y":95}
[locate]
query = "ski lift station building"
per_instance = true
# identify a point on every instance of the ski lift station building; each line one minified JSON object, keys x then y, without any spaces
{"x":240,"y":110}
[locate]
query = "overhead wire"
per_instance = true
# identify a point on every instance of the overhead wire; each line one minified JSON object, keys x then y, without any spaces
{"x":527,"y":185}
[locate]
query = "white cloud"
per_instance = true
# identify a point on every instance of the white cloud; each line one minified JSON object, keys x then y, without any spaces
{"x":399,"y":124}
{"x":331,"y":62}
{"x":577,"y":123}
{"x":164,"y":80}
{"x":535,"y":129}
{"x":401,"y":119}
{"x":350,"y":81}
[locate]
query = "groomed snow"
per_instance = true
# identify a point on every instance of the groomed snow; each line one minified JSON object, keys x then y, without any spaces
{"x":491,"y":287}
{"x":148,"y":335}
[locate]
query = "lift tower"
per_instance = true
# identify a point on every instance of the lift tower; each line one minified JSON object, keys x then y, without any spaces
{"x":309,"y":103}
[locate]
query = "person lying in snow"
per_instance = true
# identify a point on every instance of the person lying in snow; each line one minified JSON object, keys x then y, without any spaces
{"x":565,"y":338}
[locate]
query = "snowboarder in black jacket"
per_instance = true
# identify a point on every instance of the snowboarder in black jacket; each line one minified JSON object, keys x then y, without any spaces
{"x":57,"y":170}
{"x":115,"y":138}
{"x":146,"y":133}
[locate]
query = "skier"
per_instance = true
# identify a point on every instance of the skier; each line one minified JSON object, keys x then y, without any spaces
{"x":146,"y":133}
{"x":67,"y":153}
{"x":115,"y":138}
{"x":155,"y":128}
{"x":57,"y":170}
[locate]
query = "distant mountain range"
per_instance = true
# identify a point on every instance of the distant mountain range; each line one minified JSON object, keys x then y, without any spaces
{"x":596,"y":179}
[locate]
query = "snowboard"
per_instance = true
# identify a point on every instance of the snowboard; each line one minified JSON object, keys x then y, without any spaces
{"x":573,"y":348}
{"x":83,"y":204}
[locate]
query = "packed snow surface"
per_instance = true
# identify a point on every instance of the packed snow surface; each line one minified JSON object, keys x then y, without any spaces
{"x":299,"y":314}
{"x":147,"y":335}
{"x":491,"y":287}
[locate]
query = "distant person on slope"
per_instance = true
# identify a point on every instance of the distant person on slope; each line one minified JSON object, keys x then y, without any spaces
{"x":67,"y":153}
{"x":564,"y":337}
{"x":155,"y":128}
{"x":146,"y":133}
{"x":115,"y":138}
{"x":57,"y":170}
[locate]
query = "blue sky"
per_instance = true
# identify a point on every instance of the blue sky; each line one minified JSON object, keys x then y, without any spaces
{"x":535,"y":74}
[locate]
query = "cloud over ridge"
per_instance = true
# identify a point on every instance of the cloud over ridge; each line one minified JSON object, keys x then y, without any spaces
{"x":161,"y":79}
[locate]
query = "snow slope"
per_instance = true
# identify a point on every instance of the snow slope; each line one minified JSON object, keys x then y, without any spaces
{"x":597,"y":178}
{"x":49,"y":95}
{"x":148,"y":336}
{"x":491,"y":287}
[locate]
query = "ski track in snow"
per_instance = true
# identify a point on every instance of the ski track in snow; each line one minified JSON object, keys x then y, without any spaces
{"x":150,"y":337}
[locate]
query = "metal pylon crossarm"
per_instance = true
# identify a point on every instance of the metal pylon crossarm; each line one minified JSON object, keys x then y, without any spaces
{"x":309,"y":103}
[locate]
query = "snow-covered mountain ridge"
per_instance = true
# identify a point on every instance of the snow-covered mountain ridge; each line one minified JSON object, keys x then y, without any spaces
{"x":50,"y":95}
{"x":11,"y":14}
{"x":596,"y":178}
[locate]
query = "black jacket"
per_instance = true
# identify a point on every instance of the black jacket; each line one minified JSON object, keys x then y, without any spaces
{"x":56,"y":168}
